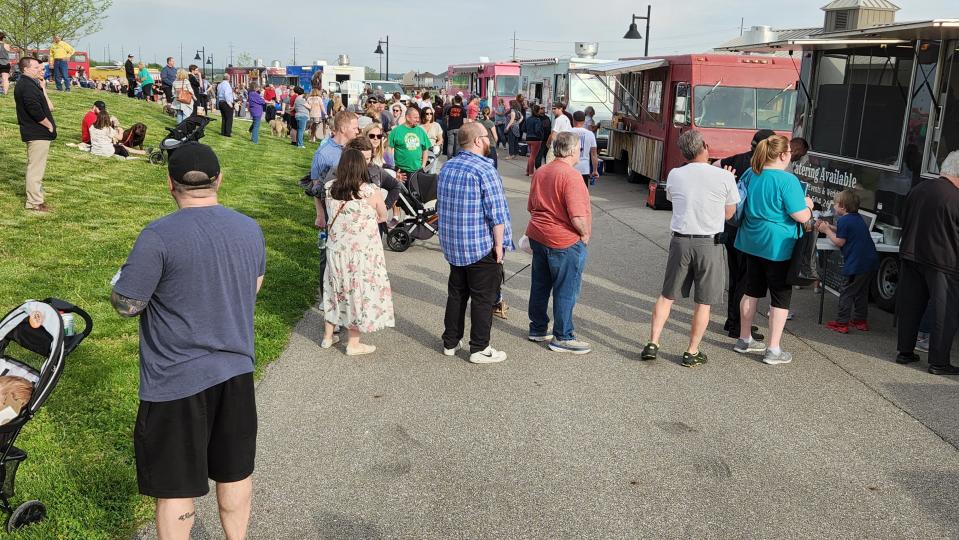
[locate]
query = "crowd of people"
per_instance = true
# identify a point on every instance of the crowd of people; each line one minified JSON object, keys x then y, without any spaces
{"x":734,"y":228}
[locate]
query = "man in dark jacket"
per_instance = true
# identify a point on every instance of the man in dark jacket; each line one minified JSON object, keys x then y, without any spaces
{"x":131,"y":76}
{"x":929,"y":267}
{"x":735,"y":260}
{"x":37,"y":127}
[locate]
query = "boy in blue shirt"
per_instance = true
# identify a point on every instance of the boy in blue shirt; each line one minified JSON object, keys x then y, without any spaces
{"x":860,"y":260}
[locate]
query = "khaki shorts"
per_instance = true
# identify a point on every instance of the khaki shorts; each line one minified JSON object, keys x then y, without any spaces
{"x":695,"y":261}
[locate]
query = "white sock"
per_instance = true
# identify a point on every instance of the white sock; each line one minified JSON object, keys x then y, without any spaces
{"x":775,"y":350}
{"x":748,"y":340}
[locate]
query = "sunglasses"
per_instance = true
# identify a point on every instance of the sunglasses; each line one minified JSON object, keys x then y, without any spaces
{"x":397,"y":110}
{"x":375,"y":136}
{"x":428,"y":114}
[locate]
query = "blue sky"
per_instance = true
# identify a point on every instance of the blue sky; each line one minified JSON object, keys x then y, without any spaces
{"x":429,"y":39}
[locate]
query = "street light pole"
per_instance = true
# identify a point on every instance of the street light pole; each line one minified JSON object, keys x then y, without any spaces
{"x":379,"y":51}
{"x":633,"y":32}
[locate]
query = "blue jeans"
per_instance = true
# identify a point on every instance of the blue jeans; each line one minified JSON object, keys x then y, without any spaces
{"x":560,"y":272}
{"x":255,"y":136}
{"x":61,"y":72}
{"x":301,"y":122}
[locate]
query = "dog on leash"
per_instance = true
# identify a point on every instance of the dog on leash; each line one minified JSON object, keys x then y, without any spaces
{"x":278,"y":127}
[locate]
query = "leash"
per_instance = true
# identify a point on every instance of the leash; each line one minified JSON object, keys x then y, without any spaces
{"x":517,"y":272}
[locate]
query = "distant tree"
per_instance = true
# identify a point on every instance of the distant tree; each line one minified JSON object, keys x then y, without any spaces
{"x":372,"y":74}
{"x":32,"y":23}
{"x":244,"y":59}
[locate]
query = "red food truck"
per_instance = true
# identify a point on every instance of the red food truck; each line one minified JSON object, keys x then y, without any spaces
{"x":490,"y":80}
{"x":726,"y":97}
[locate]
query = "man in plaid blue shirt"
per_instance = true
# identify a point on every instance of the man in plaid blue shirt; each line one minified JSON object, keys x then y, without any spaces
{"x":474,"y":227}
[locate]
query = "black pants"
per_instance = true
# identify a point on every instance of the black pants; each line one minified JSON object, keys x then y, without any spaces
{"x":918,"y":285}
{"x":478,"y":283}
{"x":131,"y":87}
{"x":167,"y":91}
{"x":541,"y":155}
{"x":854,"y":298}
{"x":226,"y":112}
{"x":736,"y":264}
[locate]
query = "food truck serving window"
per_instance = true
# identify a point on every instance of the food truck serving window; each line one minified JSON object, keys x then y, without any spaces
{"x":946,"y":130}
{"x":744,"y":108}
{"x":585,"y":88}
{"x":507,"y":85}
{"x":860,"y":102}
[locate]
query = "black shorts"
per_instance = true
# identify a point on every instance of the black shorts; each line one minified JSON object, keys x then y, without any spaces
{"x":210,"y":435}
{"x":764,"y":275}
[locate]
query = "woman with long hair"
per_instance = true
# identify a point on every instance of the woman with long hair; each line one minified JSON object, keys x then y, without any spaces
{"x":382,"y":155}
{"x":182,"y":85}
{"x":317,"y":114}
{"x":434,"y":131}
{"x":104,"y":137}
{"x":356,"y":288}
{"x":774,"y":208}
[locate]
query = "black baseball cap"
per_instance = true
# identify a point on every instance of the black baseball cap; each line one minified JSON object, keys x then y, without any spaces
{"x":194,"y":157}
{"x":762,"y":135}
{"x":100,"y":105}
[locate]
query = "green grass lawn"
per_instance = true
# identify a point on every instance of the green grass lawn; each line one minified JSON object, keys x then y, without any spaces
{"x":80,"y":444}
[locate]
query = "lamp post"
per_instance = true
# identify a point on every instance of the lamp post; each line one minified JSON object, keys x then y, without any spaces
{"x":379,"y":50}
{"x":200,"y":55}
{"x":633,"y":32}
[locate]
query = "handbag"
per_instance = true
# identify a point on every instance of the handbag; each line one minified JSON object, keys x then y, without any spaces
{"x":184,"y":95}
{"x":802,"y":266}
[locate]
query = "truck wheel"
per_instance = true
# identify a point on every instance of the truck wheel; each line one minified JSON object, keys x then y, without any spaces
{"x":632,"y":176}
{"x":884,"y":285}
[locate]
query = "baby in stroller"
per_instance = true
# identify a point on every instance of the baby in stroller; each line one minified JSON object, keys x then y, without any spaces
{"x":45,"y":329}
{"x":190,"y":130}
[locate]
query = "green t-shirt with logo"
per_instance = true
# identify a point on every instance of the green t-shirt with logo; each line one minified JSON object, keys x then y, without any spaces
{"x":408,"y":145}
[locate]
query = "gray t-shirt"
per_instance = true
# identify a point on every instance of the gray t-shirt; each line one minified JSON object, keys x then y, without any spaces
{"x":301,"y":107}
{"x":197,"y":268}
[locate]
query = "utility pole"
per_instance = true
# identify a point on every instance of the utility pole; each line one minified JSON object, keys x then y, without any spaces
{"x":231,"y":53}
{"x":742,"y":25}
{"x":109,"y":56}
{"x":514,"y":45}
{"x":294,"y":50}
{"x":181,"y":54}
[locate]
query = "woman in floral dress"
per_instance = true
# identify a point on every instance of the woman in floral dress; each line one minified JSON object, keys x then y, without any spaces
{"x":356,"y":289}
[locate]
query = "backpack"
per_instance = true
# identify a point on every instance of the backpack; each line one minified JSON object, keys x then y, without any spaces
{"x":134,"y":136}
{"x":743,"y":188}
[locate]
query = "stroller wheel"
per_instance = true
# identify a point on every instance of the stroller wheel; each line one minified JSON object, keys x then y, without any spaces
{"x":26,"y":514}
{"x":156,"y":157}
{"x":398,"y":239}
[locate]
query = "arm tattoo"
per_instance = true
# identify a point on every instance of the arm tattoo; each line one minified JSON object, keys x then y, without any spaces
{"x":187,"y":516}
{"x":126,"y":307}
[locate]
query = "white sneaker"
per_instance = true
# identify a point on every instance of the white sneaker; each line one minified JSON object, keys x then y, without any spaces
{"x":324,"y":344}
{"x":487,"y":356}
{"x":452,"y":352}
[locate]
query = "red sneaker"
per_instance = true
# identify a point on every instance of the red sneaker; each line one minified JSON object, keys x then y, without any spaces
{"x":862,"y":326}
{"x":842,"y":328}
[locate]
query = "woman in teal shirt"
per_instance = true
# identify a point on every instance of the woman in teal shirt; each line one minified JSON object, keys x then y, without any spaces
{"x":774,"y":204}
{"x":146,"y":83}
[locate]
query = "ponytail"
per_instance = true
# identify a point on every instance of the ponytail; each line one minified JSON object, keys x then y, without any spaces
{"x":767,"y":151}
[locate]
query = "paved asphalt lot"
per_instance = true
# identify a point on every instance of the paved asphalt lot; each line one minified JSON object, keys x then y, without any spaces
{"x":842,"y":443}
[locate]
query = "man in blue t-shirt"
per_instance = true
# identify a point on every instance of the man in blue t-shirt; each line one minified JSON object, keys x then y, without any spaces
{"x":193,"y":277}
{"x":851,"y":235}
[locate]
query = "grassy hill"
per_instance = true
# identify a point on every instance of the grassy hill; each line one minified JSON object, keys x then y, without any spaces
{"x":80,"y":445}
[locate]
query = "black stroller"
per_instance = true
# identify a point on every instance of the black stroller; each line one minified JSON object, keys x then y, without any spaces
{"x":420,"y":223}
{"x":46,"y":329}
{"x":189,"y":130}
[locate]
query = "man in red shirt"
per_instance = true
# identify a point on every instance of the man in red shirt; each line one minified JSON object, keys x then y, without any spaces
{"x":89,"y":119}
{"x":269,"y":96}
{"x":559,"y":229}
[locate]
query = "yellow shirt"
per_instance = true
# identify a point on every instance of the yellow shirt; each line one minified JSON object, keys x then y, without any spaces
{"x":61,"y":50}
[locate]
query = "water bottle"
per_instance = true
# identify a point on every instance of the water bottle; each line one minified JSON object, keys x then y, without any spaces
{"x":321,"y":239}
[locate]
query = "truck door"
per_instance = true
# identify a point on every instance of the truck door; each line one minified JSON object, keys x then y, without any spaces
{"x":678,"y":107}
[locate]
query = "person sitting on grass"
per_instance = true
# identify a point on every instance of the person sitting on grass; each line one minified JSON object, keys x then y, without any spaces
{"x":104,"y":138}
{"x":860,"y":260}
{"x":89,"y":119}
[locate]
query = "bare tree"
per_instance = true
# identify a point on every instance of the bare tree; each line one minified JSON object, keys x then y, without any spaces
{"x":244,"y":59}
{"x":32,"y":23}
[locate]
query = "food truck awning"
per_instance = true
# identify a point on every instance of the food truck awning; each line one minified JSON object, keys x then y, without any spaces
{"x":889,"y":34}
{"x":622,"y":66}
